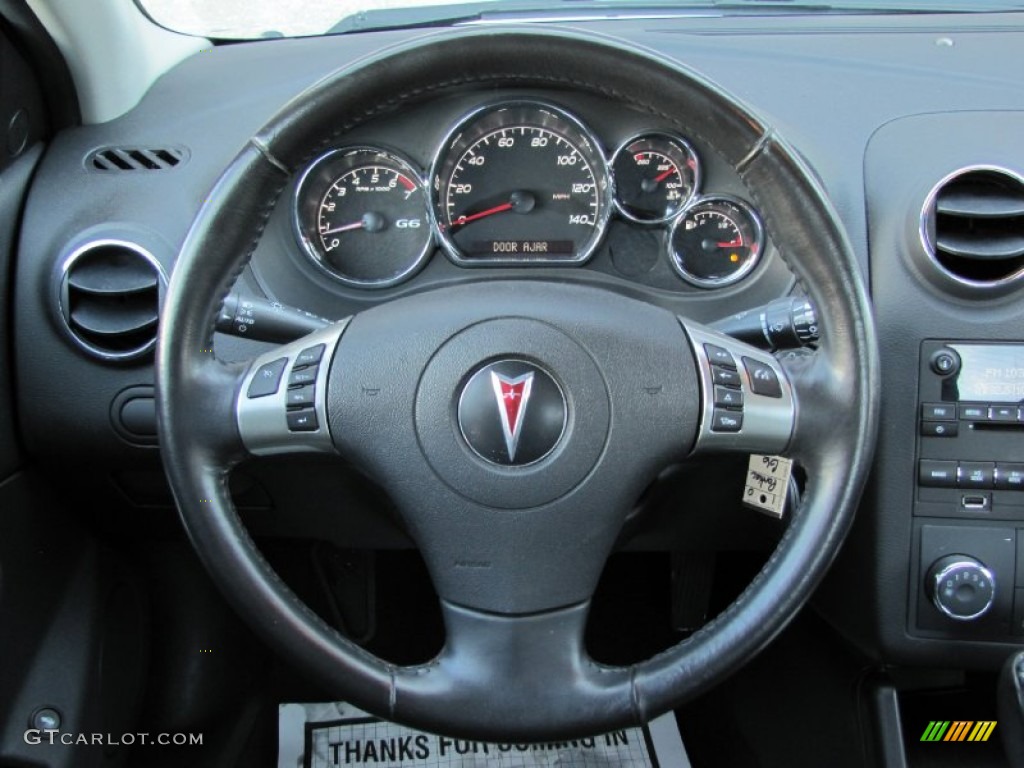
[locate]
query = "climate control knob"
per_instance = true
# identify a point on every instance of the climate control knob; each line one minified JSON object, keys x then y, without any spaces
{"x":961,"y":587}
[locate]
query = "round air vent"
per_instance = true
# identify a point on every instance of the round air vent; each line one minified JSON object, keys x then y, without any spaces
{"x":972,"y":226}
{"x":109,"y":298}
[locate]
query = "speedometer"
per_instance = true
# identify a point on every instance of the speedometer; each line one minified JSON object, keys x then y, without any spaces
{"x":520,"y":182}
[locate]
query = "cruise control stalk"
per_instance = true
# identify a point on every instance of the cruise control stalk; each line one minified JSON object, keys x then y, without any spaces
{"x":781,"y":324}
{"x":264,"y":320}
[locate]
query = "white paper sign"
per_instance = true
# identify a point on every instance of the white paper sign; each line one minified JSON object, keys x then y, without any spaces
{"x":767,"y":483}
{"x":337,"y":735}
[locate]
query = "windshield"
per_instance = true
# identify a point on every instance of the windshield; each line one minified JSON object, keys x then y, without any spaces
{"x":244,"y":19}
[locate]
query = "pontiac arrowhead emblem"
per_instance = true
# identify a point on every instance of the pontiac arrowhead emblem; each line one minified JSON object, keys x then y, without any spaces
{"x":513,"y":395}
{"x":512,"y":413}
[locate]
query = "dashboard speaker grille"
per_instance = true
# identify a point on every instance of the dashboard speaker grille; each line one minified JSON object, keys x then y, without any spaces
{"x":109,"y":299}
{"x":135,"y":158}
{"x":973,"y":226}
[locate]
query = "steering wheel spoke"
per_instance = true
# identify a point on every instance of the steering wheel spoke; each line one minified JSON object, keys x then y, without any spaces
{"x":505,"y":666}
{"x":281,"y":406}
{"x":747,"y":401}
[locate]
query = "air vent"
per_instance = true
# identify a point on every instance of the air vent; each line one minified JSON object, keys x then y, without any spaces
{"x":109,"y":298}
{"x":973,"y":227}
{"x":136,"y":158}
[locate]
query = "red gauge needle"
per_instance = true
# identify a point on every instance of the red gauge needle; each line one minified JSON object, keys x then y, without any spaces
{"x":489,"y":212}
{"x":346,"y":228}
{"x":731,"y":244}
{"x":664,"y":175}
{"x":519,"y":201}
{"x":370,"y":221}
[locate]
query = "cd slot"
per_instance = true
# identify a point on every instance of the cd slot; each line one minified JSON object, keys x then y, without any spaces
{"x":997,"y":426}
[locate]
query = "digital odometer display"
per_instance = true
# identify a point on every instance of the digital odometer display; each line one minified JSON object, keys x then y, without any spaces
{"x":991,"y":373}
{"x":520,"y":181}
{"x":524,"y":248}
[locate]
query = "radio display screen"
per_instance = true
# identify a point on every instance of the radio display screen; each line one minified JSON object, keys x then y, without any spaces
{"x":992,"y":373}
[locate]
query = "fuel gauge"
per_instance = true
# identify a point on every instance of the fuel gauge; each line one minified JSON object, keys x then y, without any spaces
{"x":656,"y":174}
{"x":716,"y":242}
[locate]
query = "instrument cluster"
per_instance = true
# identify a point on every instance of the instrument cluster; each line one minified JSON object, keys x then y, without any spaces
{"x":517,"y":182}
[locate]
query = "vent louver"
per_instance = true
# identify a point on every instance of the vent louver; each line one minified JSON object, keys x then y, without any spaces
{"x":135,"y":158}
{"x":973,"y":227}
{"x":109,"y":299}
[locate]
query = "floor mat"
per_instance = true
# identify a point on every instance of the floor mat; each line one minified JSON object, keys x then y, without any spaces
{"x":336,"y":734}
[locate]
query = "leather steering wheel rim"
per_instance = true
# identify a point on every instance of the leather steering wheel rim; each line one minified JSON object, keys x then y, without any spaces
{"x":833,"y":438}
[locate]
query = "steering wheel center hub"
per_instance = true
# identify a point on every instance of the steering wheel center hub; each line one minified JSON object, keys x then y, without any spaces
{"x":512,"y":413}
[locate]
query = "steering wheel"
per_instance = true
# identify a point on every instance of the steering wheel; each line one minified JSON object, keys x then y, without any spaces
{"x":618,"y":389}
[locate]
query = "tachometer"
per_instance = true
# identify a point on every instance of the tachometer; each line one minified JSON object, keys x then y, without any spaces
{"x":520,"y":182}
{"x":361,"y":215}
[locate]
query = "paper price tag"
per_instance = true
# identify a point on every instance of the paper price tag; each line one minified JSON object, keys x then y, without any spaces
{"x":767,"y":483}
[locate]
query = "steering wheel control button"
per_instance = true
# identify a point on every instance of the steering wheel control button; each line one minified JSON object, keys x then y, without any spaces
{"x":763,"y":380}
{"x":267,"y":379}
{"x":293,"y":418}
{"x":310,"y":356}
{"x":301,"y":397}
{"x":939,"y":429}
{"x":303,"y":420}
{"x":937,"y":474}
{"x":512,"y":413}
{"x":725,"y":377}
{"x":961,"y":587}
{"x":976,"y":474}
{"x":938,"y":411}
{"x":726,"y":397}
{"x":302,"y":376}
{"x":761,"y":419}
{"x":718,"y":356}
{"x":726,"y":421}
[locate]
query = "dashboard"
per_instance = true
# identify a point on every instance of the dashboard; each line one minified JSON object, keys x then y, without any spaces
{"x":483,"y":183}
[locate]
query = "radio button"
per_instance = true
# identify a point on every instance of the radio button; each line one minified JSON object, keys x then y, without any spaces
{"x":1009,"y":477}
{"x":974,"y":412}
{"x":938,"y":411}
{"x":945,"y":362}
{"x":939,"y":428}
{"x":1003,"y":413}
{"x":976,"y":474}
{"x":937,"y":474}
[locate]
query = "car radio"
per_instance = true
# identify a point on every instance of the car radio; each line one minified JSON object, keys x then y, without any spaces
{"x":970,"y":471}
{"x":971,"y":430}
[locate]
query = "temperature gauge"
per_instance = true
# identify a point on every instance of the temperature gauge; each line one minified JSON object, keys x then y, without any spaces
{"x":716,"y":242}
{"x":656,"y":174}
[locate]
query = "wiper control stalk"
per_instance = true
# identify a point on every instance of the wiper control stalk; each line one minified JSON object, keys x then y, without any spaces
{"x":264,"y":320}
{"x":781,"y":324}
